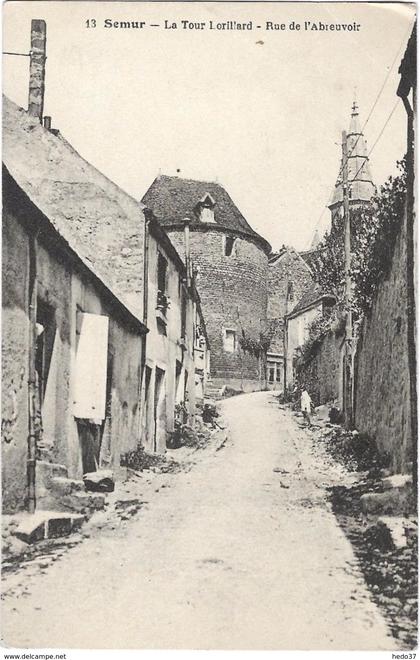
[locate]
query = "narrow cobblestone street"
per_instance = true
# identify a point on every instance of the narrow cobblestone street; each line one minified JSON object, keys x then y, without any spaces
{"x":241,"y":552}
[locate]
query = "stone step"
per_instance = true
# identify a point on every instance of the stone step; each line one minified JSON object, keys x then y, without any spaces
{"x":83,"y":502}
{"x":392,"y":502}
{"x":64,"y":486}
{"x":44,"y":454}
{"x":76,"y":502}
{"x":46,"y":470}
{"x":398,"y":481}
{"x":47,"y":525}
{"x":45,"y":473}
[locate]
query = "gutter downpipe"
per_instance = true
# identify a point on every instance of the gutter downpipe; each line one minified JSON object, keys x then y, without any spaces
{"x":147,"y":218}
{"x":32,"y":394}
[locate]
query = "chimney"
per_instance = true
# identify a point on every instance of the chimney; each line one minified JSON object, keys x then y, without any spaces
{"x":37,"y":68}
{"x":47,"y":123}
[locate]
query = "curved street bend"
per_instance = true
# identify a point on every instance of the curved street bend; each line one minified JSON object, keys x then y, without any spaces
{"x":240,"y":552}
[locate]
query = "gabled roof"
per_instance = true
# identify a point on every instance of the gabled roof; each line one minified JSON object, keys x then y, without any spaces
{"x":274,"y":257}
{"x":173,"y":198}
{"x":312,"y":296}
{"x":15,"y":199}
{"x":94,"y":216}
{"x":360,"y":179}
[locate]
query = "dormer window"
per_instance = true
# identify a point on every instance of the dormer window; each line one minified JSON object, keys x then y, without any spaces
{"x":205,"y":208}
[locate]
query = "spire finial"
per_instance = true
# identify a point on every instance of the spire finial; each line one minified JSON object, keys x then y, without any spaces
{"x":354,"y":108}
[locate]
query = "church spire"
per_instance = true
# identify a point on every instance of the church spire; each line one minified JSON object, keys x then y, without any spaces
{"x":362,"y":187}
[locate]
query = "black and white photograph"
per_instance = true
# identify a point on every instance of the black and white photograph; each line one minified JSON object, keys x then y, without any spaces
{"x":209,"y":283}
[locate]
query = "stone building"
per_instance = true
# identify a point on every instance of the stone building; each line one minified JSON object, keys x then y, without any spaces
{"x":176,"y":346}
{"x":231,"y":263}
{"x":102,"y":328}
{"x":71,"y":372}
{"x":313,"y":304}
{"x":288,"y":277}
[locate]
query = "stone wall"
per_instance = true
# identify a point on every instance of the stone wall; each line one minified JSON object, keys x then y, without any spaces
{"x":382,"y":376}
{"x":65,"y":288}
{"x":233,"y":292}
{"x":321,"y":375}
{"x":15,"y":361}
{"x":381,"y":382}
{"x":289,"y":267}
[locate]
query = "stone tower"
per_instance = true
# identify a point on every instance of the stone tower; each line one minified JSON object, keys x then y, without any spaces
{"x":361,"y":185}
{"x":231,"y":264}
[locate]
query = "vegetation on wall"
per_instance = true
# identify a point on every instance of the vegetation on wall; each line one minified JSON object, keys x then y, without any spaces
{"x":374,"y":230}
{"x":256,"y":347}
{"x":317,"y":329}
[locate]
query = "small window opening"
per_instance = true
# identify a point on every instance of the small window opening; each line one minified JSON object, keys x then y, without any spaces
{"x":183,"y":312}
{"x":229,"y":246}
{"x":162,"y":282}
{"x":162,"y":271}
{"x":45,"y":331}
{"x":290,"y":291}
{"x":230,"y":341}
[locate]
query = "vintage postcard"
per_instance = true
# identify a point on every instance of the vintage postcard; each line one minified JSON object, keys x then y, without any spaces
{"x":209,"y":412}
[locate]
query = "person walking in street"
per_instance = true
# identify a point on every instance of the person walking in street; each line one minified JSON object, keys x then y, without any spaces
{"x":305,"y":406}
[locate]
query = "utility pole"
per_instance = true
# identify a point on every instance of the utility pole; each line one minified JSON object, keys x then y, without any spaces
{"x":348,"y":347}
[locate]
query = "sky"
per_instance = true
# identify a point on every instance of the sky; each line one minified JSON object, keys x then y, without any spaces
{"x":259,"y":111}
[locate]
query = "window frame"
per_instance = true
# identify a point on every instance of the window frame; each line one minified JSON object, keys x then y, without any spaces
{"x":235,"y":340}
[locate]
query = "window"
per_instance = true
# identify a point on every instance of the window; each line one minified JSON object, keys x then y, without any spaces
{"x":205,"y":208}
{"x":162,"y":283}
{"x":45,"y":337}
{"x":229,"y":246}
{"x":207,"y":214}
{"x":91,"y":366}
{"x":183,"y":312}
{"x":274,"y":370}
{"x":230,"y":341}
{"x":162,"y":272}
{"x":290,"y":292}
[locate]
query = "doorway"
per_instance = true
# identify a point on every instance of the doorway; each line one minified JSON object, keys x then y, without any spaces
{"x":159,"y":438}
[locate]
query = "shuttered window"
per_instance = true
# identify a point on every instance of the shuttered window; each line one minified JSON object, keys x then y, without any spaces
{"x":90,"y":374}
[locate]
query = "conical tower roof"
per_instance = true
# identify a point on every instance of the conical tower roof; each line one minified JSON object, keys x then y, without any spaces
{"x":361,"y":184}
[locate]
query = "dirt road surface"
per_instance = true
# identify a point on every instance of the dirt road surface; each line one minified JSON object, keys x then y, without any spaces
{"x":241,"y":552}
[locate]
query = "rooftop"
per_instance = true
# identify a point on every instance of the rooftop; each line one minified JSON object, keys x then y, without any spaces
{"x":312,"y":296}
{"x":173,"y":198}
{"x":89,"y":211}
{"x":360,"y":179}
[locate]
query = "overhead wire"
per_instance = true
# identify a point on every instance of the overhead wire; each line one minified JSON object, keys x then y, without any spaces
{"x":367,"y":120}
{"x":377,"y":139}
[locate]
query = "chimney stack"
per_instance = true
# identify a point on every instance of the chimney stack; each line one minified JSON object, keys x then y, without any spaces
{"x":37,"y":68}
{"x":47,"y":123}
